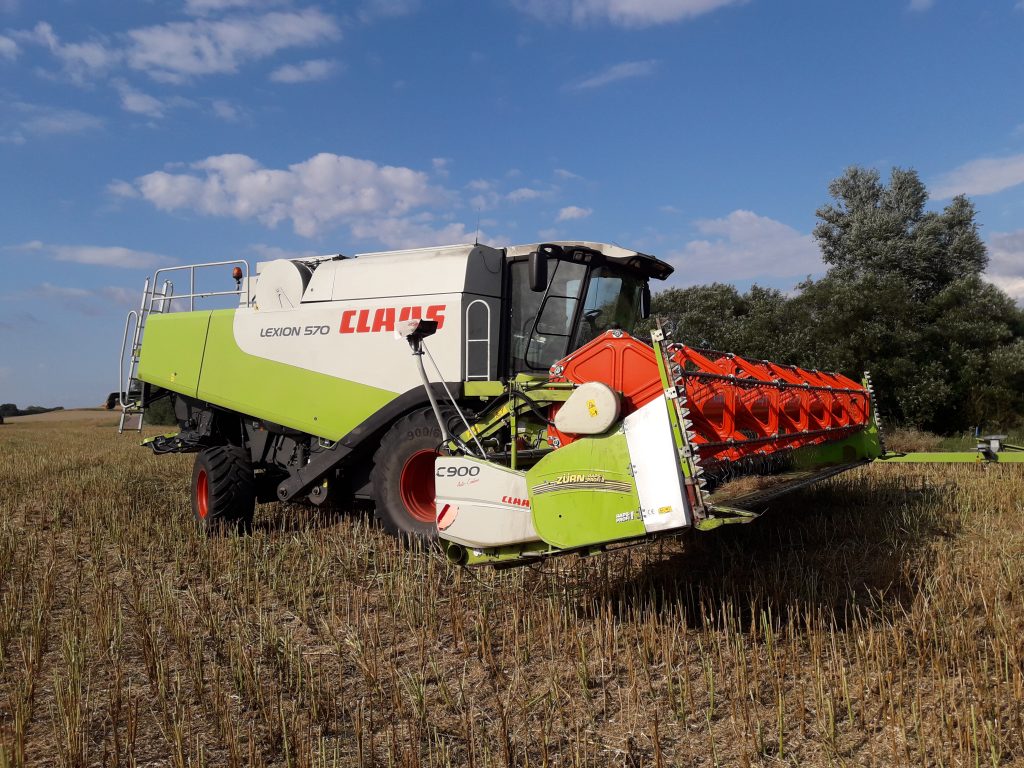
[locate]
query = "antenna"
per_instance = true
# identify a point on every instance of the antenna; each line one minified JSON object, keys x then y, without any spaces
{"x":476,"y":240}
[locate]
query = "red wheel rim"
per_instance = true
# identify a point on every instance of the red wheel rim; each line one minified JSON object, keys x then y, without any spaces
{"x":417,"y":486}
{"x":202,"y":494}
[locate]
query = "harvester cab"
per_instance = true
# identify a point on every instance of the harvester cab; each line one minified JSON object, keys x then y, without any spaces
{"x":534,"y":420}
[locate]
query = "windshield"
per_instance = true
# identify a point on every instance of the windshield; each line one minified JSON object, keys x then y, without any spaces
{"x":542,"y":323}
{"x":613,"y":301}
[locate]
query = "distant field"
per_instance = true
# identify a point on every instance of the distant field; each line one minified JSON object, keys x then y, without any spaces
{"x":91,"y":415}
{"x":877,"y":620}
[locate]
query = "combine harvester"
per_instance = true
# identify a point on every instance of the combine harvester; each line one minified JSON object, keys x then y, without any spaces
{"x":545,"y":426}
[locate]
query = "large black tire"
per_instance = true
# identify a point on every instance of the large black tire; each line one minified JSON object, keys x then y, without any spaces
{"x":403,"y":476}
{"x":223,"y":489}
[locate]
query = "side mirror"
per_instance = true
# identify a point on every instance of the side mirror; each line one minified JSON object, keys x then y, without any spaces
{"x":645,"y":301}
{"x":538,"y":272}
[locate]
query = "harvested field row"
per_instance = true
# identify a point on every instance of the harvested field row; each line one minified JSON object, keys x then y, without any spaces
{"x":875,"y":620}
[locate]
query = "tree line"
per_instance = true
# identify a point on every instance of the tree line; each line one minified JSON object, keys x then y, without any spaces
{"x":904,"y":297}
{"x":10,"y":409}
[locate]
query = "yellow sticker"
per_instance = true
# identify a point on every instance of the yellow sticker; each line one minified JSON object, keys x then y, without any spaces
{"x":592,"y":407}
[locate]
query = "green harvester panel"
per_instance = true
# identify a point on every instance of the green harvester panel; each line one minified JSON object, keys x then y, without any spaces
{"x":294,"y":397}
{"x":863,"y":445}
{"x":583,"y":493}
{"x":172,"y":353}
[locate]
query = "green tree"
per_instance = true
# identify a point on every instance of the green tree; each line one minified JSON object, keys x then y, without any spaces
{"x":904,"y":298}
{"x":702,"y":315}
{"x":871,"y":228}
{"x":161,"y":413}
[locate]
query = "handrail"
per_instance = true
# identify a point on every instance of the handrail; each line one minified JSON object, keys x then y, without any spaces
{"x":122,"y":390}
{"x":192,"y":294}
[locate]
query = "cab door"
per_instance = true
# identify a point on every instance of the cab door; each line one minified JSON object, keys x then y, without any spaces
{"x":541,"y":325}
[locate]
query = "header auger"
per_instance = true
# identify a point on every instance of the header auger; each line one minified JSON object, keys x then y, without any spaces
{"x":543,"y":425}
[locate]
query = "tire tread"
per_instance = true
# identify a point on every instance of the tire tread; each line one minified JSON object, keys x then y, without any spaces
{"x":388,"y":460}
{"x":232,"y":487}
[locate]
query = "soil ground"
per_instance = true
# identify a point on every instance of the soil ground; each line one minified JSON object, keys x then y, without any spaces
{"x":874,"y":620}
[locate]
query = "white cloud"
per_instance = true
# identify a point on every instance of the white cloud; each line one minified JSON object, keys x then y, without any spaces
{"x":179,"y":50}
{"x":21,"y":121}
{"x":204,"y":7}
{"x":48,"y":290}
{"x":440,"y":165}
{"x":744,"y":246}
{"x":1006,"y":262}
{"x":85,"y":301}
{"x":97,"y":255}
{"x":571,"y":212}
{"x":76,"y":299}
{"x":486,"y":196}
{"x":623,"y":71}
{"x":490,"y":195}
{"x":318,"y":193}
{"x":8,"y":48}
{"x":120,"y":295}
{"x":626,"y":13}
{"x":524,"y":193}
{"x":121,"y":188}
{"x":984,"y":176}
{"x":271,"y":252}
{"x":921,"y":5}
{"x":306,"y":72}
{"x":562,"y":173}
{"x":418,"y":231}
{"x":225,"y":110}
{"x":80,"y":61}
{"x":374,"y":9}
{"x":140,"y":103}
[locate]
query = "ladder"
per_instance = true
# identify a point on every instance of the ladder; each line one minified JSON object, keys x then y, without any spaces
{"x":159,"y":301}
{"x":133,"y":408}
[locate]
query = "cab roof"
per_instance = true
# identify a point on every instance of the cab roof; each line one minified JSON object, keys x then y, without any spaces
{"x":650,"y":266}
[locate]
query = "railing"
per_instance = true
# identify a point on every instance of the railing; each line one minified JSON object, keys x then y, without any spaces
{"x":132,"y":321}
{"x":162,"y":301}
{"x":192,"y":295}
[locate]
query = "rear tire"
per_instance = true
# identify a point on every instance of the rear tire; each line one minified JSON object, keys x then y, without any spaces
{"x":223,"y":489}
{"x":403,"y":476}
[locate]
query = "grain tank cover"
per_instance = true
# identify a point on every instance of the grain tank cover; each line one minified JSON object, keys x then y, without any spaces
{"x":281,"y":284}
{"x":450,"y":269}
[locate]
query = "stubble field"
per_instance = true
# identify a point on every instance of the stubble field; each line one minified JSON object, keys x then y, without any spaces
{"x":877,"y":620}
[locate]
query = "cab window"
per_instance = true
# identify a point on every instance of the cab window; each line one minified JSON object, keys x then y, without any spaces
{"x":613,"y":301}
{"x":541,"y":323}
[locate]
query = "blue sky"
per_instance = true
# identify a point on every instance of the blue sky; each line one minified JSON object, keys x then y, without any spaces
{"x":137,"y":135}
